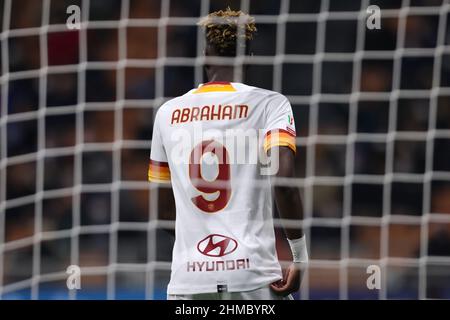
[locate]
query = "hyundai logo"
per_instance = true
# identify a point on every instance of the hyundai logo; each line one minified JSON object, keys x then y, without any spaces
{"x":216,"y":245}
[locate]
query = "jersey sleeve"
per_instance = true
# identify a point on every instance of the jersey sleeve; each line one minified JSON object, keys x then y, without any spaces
{"x":158,"y":169}
{"x":280,"y":126}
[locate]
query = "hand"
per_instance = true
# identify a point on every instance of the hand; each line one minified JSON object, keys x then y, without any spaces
{"x":291,"y":281}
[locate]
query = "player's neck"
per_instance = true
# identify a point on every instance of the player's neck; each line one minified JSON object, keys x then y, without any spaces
{"x":223,"y":74}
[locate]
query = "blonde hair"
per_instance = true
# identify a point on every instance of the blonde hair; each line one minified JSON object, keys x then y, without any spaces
{"x":224,"y":29}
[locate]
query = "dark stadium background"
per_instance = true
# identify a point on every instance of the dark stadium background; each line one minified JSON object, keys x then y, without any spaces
{"x":140,"y":83}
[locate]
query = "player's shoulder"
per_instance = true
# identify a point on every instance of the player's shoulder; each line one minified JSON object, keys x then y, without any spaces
{"x":265,"y":92}
{"x":169,"y":104}
{"x":184,"y":99}
{"x":268,"y":95}
{"x":273,"y":99}
{"x":177,"y":101}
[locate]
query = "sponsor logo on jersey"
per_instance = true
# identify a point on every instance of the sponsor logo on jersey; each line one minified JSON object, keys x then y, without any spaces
{"x":217,"y":245}
{"x":218,"y":265}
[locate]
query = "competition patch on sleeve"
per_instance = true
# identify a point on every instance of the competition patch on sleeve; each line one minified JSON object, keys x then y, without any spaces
{"x":290,"y":125}
{"x":279,"y":137}
{"x":158,"y":171}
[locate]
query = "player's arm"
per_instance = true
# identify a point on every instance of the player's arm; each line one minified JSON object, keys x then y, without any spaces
{"x":166,"y":207}
{"x":159,"y":172}
{"x":287,"y":198}
{"x":290,"y":207}
{"x":280,"y":145}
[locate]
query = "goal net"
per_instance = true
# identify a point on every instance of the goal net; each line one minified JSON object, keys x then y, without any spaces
{"x":372,"y":111}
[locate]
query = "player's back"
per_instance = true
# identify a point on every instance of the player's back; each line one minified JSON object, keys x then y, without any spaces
{"x":211,"y":144}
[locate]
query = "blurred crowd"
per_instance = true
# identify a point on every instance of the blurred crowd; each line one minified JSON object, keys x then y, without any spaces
{"x":99,"y":123}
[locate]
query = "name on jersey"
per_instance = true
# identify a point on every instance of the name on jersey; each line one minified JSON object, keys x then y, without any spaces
{"x":209,"y":113}
{"x":218,"y":265}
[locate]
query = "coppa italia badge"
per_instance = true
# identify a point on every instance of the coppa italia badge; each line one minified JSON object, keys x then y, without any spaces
{"x":216,"y":245}
{"x":290,"y":120}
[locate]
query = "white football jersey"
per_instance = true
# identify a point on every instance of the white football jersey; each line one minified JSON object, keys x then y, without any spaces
{"x":211,"y":144}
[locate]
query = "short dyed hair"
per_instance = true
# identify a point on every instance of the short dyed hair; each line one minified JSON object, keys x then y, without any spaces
{"x":226,"y":29}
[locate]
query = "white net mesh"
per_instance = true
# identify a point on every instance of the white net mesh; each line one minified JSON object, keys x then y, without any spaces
{"x":372,"y":114}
